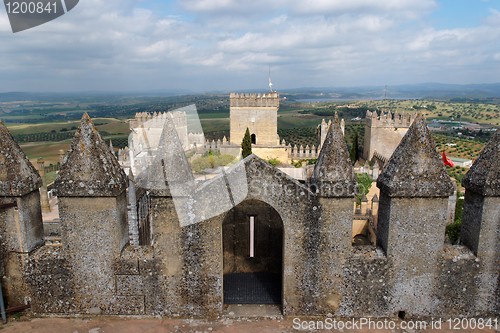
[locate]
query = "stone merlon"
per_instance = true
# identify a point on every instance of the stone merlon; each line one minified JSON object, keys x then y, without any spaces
{"x":90,"y":169}
{"x":17,"y":175}
{"x":415,"y":168}
{"x":484,"y":175}
{"x":333,"y":172}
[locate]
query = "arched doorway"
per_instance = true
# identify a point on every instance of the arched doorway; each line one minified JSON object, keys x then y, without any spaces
{"x":252,"y":235}
{"x":254,"y":139}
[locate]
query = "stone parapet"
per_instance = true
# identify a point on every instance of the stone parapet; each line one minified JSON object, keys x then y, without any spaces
{"x":254,"y":100}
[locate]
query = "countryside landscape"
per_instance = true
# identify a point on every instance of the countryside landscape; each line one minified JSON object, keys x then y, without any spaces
{"x":44,"y":124}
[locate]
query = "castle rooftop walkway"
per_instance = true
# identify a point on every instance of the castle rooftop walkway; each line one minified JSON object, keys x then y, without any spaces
{"x":225,"y":325}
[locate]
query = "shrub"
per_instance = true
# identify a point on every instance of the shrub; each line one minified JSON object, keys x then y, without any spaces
{"x":274,"y":162}
{"x":210,"y":161}
{"x":364,"y":184}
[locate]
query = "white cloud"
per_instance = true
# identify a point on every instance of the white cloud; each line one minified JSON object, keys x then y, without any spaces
{"x":342,"y":6}
{"x":111,"y":45}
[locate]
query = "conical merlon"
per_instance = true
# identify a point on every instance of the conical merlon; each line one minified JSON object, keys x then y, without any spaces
{"x":333,"y":172}
{"x":415,"y":168}
{"x":90,"y":169}
{"x":17,"y":175}
{"x":484,"y":175}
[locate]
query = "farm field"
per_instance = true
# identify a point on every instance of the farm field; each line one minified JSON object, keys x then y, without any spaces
{"x":110,"y":125}
{"x":472,"y":112}
{"x":49,"y":151}
{"x":43,"y":128}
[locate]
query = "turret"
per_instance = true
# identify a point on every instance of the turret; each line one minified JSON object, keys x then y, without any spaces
{"x":92,"y":208}
{"x":414,"y":191}
{"x":21,"y":228}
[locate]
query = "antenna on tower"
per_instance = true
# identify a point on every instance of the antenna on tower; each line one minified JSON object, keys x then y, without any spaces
{"x":270,"y":82}
{"x":385,"y":92}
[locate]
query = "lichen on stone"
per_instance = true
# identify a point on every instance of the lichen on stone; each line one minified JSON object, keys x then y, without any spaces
{"x":484,"y":175}
{"x":90,"y":169}
{"x":333,"y":173}
{"x":415,"y":168}
{"x":17,"y":175}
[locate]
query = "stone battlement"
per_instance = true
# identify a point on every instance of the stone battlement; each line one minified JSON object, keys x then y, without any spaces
{"x":161,"y":243}
{"x":384,"y":133}
{"x":388,"y":119}
{"x":254,"y":100}
{"x":157,"y":119}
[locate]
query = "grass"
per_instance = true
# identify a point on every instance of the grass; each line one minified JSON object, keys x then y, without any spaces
{"x":49,"y":151}
{"x":211,"y":161}
{"x":50,"y":177}
{"x":214,"y":125}
{"x":110,"y":125}
{"x":297,"y":121}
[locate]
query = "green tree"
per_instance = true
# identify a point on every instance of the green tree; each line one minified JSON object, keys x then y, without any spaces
{"x":246,"y":144}
{"x":364,"y":185}
{"x":354,"y":149}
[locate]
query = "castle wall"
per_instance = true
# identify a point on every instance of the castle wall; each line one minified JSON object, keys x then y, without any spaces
{"x":185,"y":269}
{"x":258,"y":113}
{"x":456,"y":288}
{"x":90,"y":262}
{"x":23,"y":228}
{"x":366,"y":277}
{"x":267,"y":153}
{"x":21,"y":231}
{"x":384,"y":133}
{"x":188,"y":270}
{"x":481,"y":233}
{"x":415,"y":266}
{"x":382,"y":140}
{"x":146,"y":131}
{"x":180,"y":272}
{"x":262,"y":121}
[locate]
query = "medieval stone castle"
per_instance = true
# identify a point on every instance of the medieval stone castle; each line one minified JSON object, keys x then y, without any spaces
{"x":157,"y":242}
{"x":384,"y":133}
{"x":257,"y":112}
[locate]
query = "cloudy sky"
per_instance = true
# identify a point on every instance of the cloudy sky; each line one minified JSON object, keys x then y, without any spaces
{"x":205,"y":45}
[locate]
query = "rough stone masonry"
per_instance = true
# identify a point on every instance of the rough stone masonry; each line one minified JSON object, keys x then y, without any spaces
{"x":177,"y":270}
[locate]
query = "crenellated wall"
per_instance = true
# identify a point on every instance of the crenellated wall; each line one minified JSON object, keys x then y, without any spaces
{"x":258,"y":113}
{"x":154,"y":263}
{"x":384,"y":132}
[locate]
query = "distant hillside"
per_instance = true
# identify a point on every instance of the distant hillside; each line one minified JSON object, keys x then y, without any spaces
{"x":410,"y":91}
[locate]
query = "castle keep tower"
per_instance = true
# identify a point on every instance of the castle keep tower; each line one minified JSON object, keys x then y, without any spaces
{"x":258,"y":112}
{"x":384,"y":133}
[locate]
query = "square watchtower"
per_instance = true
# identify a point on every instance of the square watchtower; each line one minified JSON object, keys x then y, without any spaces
{"x":258,"y":113}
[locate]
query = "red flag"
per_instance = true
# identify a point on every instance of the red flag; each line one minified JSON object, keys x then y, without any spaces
{"x":446,"y":160}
